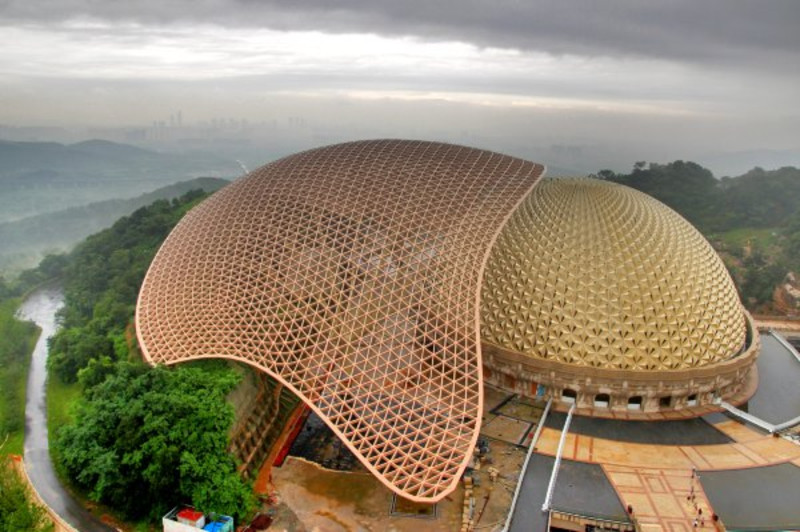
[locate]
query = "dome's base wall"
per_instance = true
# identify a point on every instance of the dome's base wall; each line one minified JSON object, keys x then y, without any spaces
{"x":628,"y":391}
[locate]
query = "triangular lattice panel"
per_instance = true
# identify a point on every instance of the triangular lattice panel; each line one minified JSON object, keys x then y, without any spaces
{"x":352,"y":274}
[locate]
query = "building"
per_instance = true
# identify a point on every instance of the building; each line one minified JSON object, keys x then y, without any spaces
{"x":383,"y":281}
{"x":598,"y":294}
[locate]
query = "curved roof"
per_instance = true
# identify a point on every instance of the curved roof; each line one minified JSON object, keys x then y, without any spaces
{"x":351,"y":274}
{"x":597,"y":274}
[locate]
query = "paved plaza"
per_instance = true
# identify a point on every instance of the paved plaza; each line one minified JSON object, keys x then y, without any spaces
{"x":749,"y":478}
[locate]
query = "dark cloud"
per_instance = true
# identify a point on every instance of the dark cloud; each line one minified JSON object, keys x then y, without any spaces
{"x":724,"y":32}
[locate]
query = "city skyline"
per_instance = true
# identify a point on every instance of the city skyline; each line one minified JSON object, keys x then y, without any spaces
{"x":666,"y":81}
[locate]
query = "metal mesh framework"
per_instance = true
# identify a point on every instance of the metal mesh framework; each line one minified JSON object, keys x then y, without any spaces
{"x":351,"y":274}
{"x":597,"y":274}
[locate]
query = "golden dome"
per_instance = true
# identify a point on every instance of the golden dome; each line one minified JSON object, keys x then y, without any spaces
{"x":597,"y":274}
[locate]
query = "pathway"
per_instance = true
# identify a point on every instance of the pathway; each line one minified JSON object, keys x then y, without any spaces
{"x":41,"y":307}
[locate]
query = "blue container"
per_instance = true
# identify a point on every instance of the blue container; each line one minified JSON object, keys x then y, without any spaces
{"x":221,"y":524}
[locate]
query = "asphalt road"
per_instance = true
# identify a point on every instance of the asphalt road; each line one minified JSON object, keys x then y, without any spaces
{"x":41,"y":307}
{"x":580,"y":488}
{"x":757,"y":498}
{"x":777,"y":398}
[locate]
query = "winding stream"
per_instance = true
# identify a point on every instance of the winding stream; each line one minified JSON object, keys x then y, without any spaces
{"x":41,"y":307}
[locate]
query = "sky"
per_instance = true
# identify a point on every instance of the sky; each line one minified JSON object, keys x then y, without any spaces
{"x":576,"y":82}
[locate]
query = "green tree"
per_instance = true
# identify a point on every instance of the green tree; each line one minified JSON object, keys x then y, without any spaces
{"x":73,"y":348}
{"x":792,"y":248}
{"x":159,"y":433}
{"x":101,"y":279}
{"x":685,"y":186}
{"x":760,"y":279}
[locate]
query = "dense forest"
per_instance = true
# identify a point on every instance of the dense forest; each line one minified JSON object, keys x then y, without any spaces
{"x":159,"y":433}
{"x":752,"y":220}
{"x":101,"y":279}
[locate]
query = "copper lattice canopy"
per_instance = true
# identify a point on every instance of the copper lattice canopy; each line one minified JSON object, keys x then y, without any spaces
{"x":351,"y":274}
{"x":597,"y":274}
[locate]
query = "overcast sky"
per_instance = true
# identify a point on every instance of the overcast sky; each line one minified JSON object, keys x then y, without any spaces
{"x":666,"y":79}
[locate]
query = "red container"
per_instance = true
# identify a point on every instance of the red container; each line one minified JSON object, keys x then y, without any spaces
{"x":191,"y":517}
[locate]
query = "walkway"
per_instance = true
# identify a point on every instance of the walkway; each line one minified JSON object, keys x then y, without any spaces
{"x":781,"y":323}
{"x":778,"y":396}
{"x":655,"y":479}
{"x":693,"y":431}
{"x":748,"y":418}
{"x":41,"y":307}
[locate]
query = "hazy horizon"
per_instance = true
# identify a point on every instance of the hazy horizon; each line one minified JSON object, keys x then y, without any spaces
{"x":581,"y":85}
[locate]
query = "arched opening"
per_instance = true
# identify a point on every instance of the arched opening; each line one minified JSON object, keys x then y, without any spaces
{"x":691,"y":400}
{"x":602,"y":400}
{"x":569,"y":396}
{"x":665,"y":401}
{"x":635,"y":402}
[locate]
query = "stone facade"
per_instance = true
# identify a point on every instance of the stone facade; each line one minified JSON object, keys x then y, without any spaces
{"x":629,"y":391}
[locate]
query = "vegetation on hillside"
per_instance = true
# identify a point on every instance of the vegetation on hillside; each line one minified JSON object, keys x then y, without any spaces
{"x":159,"y":433}
{"x":101,"y":279}
{"x":752,"y":220}
{"x":17,"y":339}
{"x":17,"y":511}
{"x":27,"y":240}
{"x":41,"y":177}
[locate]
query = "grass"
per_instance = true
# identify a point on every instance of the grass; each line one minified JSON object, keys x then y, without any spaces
{"x":60,"y":398}
{"x":758,"y":238}
{"x":17,"y":340}
{"x":15,"y":443}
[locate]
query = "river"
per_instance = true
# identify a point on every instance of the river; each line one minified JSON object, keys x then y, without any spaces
{"x":41,"y":307}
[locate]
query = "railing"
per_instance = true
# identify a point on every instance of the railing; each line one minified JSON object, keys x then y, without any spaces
{"x":531,"y":448}
{"x":554,"y":475}
{"x":753,"y":420}
{"x":785,"y":344}
{"x":787,"y":425}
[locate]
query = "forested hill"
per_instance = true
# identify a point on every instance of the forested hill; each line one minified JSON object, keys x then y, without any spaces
{"x":42,"y":177}
{"x":26,"y":241}
{"x":757,"y":199}
{"x":29,"y":164}
{"x":752,"y":220}
{"x":161,"y":434}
